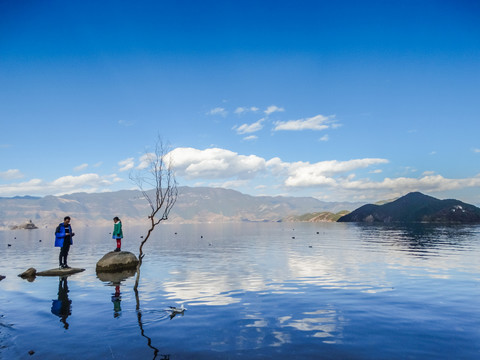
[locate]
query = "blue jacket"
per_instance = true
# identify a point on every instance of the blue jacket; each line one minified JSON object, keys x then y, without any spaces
{"x":60,"y":235}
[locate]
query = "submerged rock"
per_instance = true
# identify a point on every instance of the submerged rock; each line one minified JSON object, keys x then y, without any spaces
{"x":31,"y":273}
{"x":117,"y":261}
{"x":60,"y":272}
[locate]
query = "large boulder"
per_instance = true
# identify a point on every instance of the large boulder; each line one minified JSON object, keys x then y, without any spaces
{"x":117,"y":261}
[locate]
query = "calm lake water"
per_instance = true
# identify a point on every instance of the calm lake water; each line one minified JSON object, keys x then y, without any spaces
{"x":252,"y":291}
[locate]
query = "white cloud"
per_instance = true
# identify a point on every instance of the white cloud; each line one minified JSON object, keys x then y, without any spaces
{"x":125,"y":123}
{"x":324,"y":138}
{"x":218,"y":111}
{"x":322,"y":173}
{"x":404,"y":185}
{"x":476,"y":151}
{"x":11,"y":174}
{"x":148,"y":159}
{"x":242,"y":110}
{"x":318,"y":122}
{"x":63,"y":185}
{"x":72,"y":182}
{"x":215,"y":163}
{"x":230,"y":184}
{"x":250,"y":138}
{"x":272,"y":109}
{"x":80,"y":167}
{"x":250,"y":128}
{"x":126,"y":164}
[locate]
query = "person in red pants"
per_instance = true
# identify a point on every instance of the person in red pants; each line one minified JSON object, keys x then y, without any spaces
{"x":117,"y":233}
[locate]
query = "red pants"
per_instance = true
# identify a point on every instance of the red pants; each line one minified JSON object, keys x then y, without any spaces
{"x":119,"y":243}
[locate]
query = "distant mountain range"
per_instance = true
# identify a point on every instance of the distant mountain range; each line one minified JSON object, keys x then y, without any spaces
{"x":194,"y":205}
{"x":416,"y":207}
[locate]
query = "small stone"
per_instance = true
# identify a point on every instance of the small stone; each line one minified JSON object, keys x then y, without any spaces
{"x":28,"y":274}
{"x":31,"y":352}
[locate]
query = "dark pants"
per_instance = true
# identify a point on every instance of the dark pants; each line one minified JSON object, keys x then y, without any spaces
{"x":64,"y":252}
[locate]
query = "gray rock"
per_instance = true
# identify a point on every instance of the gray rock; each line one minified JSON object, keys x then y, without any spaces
{"x":28,"y":274}
{"x":117,"y":261}
{"x":59,"y":272}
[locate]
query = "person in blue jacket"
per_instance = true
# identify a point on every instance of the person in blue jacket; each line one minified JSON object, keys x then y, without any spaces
{"x":63,"y":240}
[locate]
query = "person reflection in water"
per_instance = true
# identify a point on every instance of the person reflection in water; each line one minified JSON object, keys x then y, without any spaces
{"x":62,"y":307}
{"x":116,"y":299}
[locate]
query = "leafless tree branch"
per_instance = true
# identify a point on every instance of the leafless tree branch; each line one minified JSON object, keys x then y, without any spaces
{"x":156,"y":173}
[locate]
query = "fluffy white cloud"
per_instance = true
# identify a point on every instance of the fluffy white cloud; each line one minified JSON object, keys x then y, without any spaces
{"x":80,"y":167}
{"x":126,"y":164}
{"x":215,"y":163}
{"x":242,"y":110}
{"x":11,"y":174}
{"x":272,"y":109}
{"x":319,"y":174}
{"x":404,"y":184}
{"x":218,"y":111}
{"x":64,"y":185}
{"x":250,"y":128}
{"x":318,"y":122}
{"x":72,"y":182}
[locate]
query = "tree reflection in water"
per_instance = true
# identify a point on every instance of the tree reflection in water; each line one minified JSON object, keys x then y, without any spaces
{"x":116,"y":279}
{"x":142,"y":332}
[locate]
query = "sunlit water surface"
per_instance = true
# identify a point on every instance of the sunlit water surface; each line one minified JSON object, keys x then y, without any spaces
{"x":252,"y":291}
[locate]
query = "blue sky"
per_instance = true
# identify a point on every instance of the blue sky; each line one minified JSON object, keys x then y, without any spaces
{"x":339,"y":100}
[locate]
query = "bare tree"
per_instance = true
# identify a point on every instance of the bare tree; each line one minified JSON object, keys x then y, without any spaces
{"x":156,"y":173}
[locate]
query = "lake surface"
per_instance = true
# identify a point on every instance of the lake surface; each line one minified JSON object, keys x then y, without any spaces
{"x":252,"y":291}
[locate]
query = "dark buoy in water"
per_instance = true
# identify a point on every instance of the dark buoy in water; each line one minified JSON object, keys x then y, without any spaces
{"x":293,"y":237}
{"x":9,"y":244}
{"x":141,"y":237}
{"x":39,"y":240}
{"x":318,"y":232}
{"x":201,"y":237}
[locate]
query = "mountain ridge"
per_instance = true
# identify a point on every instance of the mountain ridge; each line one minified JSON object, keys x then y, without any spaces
{"x":194,"y":205}
{"x":416,"y":207}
